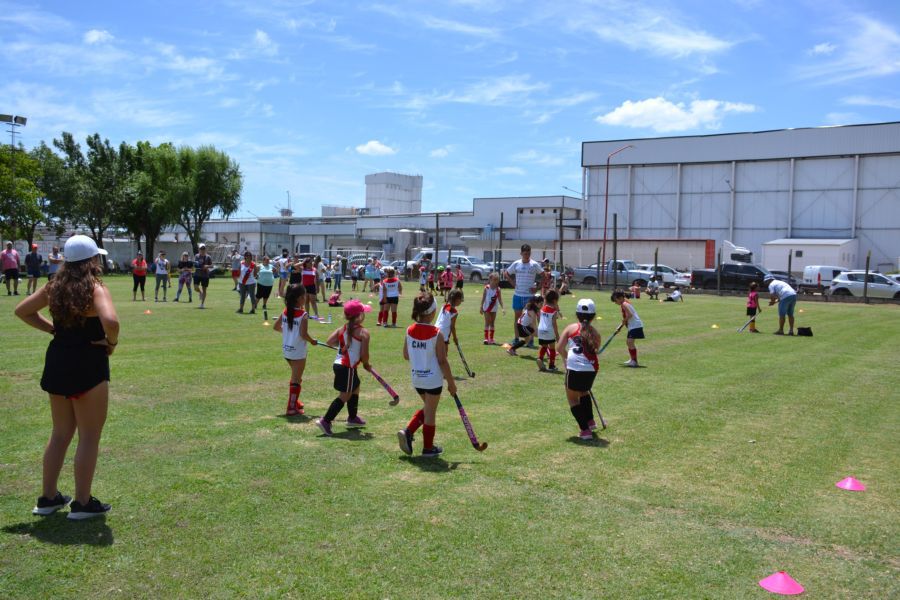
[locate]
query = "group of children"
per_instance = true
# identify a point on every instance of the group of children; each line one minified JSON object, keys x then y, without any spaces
{"x":426,"y":349}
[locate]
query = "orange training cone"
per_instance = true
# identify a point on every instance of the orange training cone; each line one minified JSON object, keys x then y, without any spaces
{"x":781,"y":583}
{"x":851,"y":484}
{"x":147,"y":312}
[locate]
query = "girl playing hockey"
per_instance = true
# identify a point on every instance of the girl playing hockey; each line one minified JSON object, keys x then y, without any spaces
{"x":548,"y":329}
{"x":578,"y":346}
{"x":527,"y":324}
{"x":294,"y":336}
{"x":490,"y":300}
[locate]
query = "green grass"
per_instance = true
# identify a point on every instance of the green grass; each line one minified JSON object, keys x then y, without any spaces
{"x":717,"y":469}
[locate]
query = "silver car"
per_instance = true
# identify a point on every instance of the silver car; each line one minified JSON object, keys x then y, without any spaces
{"x":851,"y":283}
{"x":473,"y":268}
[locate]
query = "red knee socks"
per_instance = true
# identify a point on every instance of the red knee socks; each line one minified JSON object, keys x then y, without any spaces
{"x":633,"y":353}
{"x":294,"y":403}
{"x":542,"y":352}
{"x":417,"y":420}
{"x":428,"y":442}
{"x":552,"y":352}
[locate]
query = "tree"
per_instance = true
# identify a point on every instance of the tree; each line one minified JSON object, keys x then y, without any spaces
{"x":151,"y":191}
{"x":20,"y":210}
{"x":209,"y":181}
{"x":50,"y":183}
{"x":94,"y":185}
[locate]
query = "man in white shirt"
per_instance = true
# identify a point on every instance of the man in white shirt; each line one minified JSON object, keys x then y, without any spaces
{"x":786,"y":297}
{"x":521,"y":275}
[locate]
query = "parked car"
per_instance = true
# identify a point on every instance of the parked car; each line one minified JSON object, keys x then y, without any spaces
{"x":733,"y":277}
{"x":785,"y":276}
{"x":473,"y":268}
{"x":668,"y":275}
{"x":895,"y":277}
{"x":817,"y":278}
{"x":625,"y":272}
{"x":852,"y":283}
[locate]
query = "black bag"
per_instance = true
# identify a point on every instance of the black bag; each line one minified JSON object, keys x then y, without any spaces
{"x":804,"y":331}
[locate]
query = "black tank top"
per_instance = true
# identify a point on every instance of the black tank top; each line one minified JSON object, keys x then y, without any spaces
{"x":80,"y":333}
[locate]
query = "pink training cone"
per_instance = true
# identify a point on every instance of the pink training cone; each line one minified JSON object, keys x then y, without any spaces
{"x":851,"y":484}
{"x":781,"y":583}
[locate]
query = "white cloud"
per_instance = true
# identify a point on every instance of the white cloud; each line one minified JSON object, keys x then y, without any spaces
{"x":200,"y":66}
{"x":375,"y":148}
{"x":646,"y":28}
{"x":498,"y":91}
{"x":538,"y":158}
{"x":823,"y":49}
{"x":509,"y":171}
{"x":264,"y":44}
{"x":869,"y":101}
{"x":573,"y":99}
{"x":662,"y":115}
{"x":868,"y":48}
{"x":842,"y":118}
{"x":442,"y":152}
{"x":457,"y":27}
{"x":98,"y":36}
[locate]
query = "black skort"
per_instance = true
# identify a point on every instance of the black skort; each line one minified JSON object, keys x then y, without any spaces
{"x":580,"y":381}
{"x":636,"y":334}
{"x":346,"y":379}
{"x":263,"y":291}
{"x":546,"y":342}
{"x":433,"y":391}
{"x":524,"y":331}
{"x":751,"y":311}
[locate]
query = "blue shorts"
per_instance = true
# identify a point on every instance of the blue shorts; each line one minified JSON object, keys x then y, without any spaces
{"x":284,"y":275}
{"x":636,"y":333}
{"x":786,"y":306}
{"x":519,"y":302}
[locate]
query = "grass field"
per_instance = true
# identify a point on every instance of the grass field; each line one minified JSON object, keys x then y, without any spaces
{"x":718,"y":467}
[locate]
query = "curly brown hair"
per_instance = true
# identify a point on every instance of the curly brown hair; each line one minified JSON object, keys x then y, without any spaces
{"x":71,"y":292}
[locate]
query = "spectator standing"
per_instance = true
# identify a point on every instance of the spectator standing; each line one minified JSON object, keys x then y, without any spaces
{"x":162,"y":275}
{"x":521,"y":274}
{"x":284,"y":271}
{"x":185,"y":275}
{"x":55,"y":259}
{"x":139,"y":275}
{"x":235,"y":268}
{"x":266,"y":281}
{"x":9,"y":261}
{"x":203,"y":265}
{"x":247,"y":277}
{"x":33,"y":262}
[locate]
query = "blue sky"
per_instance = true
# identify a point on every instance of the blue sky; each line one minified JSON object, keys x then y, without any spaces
{"x":481,"y":97}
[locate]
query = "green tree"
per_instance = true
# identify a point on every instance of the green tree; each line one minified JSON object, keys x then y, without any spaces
{"x":151,"y":191}
{"x":52,"y":173}
{"x":20,"y":210}
{"x":94,"y":185}
{"x":209,"y":181}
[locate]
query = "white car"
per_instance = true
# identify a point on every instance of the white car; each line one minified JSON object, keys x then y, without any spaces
{"x":668,"y":275}
{"x":851,"y":283}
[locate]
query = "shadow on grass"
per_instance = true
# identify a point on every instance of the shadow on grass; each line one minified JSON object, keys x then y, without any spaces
{"x":57,"y":529}
{"x":597,"y":442}
{"x":431,"y":464}
{"x":353,"y":435}
{"x":460,"y":378}
{"x":637,"y":367}
{"x":295,"y":418}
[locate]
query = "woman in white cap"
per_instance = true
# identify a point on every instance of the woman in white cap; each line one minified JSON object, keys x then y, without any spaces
{"x":85,"y":332}
{"x":578,"y":346}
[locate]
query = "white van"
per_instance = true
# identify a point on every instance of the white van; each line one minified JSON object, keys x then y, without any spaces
{"x":817,"y":278}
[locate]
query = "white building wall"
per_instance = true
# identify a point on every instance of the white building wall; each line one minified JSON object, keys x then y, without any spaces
{"x":393,"y":193}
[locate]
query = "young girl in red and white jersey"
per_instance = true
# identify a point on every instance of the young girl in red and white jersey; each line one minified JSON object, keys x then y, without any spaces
{"x":308,"y":279}
{"x":526,"y":325}
{"x":632,"y":321}
{"x":546,"y":278}
{"x":578,"y":346}
{"x":353,"y":348}
{"x":490,"y":301}
{"x":446,"y":281}
{"x":460,"y":277}
{"x":548,"y":329}
{"x":293,"y":325}
{"x":446,"y":320}
{"x":427,"y":356}
{"x":389,"y":293}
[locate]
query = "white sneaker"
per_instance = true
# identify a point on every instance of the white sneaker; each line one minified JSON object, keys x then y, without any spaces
{"x":630,"y":363}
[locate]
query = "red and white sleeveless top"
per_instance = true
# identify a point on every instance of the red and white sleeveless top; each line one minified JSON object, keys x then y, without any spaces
{"x":247,"y":271}
{"x":445,"y":321}
{"x":349,"y":348}
{"x":308,"y":277}
{"x":527,"y":318}
{"x":545,"y":325}
{"x":577,"y":357}
{"x":491,"y":299}
{"x":421,"y":344}
{"x":293,"y":344}
{"x":391,"y":287}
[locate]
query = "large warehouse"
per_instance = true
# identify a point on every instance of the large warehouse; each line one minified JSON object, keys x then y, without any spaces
{"x":751,"y":188}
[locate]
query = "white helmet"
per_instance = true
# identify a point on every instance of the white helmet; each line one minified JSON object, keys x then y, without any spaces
{"x":585,"y":306}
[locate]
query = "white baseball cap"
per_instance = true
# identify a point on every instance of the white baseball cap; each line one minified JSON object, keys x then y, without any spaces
{"x":201,"y":246}
{"x":81,"y":247}
{"x":585,"y":306}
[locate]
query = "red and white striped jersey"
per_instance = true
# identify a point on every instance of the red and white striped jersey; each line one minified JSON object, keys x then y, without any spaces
{"x":445,"y":321}
{"x":421,"y":344}
{"x":491,"y":299}
{"x":391,"y":287}
{"x":293,"y":344}
{"x":545,"y":325}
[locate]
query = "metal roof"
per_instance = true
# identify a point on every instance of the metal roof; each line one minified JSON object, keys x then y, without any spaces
{"x":808,"y":242}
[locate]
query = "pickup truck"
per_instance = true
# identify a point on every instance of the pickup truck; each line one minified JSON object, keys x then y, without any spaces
{"x":734,"y":277}
{"x":625,"y":273}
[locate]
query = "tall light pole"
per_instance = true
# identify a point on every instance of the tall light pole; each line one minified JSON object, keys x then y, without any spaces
{"x":606,"y":211}
{"x":14,"y":122}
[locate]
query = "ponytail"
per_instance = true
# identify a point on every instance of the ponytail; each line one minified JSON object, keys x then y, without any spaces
{"x":422,"y":305}
{"x":292,"y":298}
{"x":590,"y":339}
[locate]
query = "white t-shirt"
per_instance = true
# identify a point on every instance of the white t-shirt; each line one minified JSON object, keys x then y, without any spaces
{"x":391,"y":287}
{"x":421,"y":344}
{"x":247,"y":276}
{"x":445,"y":321}
{"x":283,"y":263}
{"x":781,"y":289}
{"x":524,"y":272}
{"x":676,"y":295}
{"x":293,"y":344}
{"x":628,"y":312}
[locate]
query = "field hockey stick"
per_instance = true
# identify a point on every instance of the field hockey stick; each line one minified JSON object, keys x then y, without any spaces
{"x":610,"y":339}
{"x":753,"y":318}
{"x":395,"y":397}
{"x":463,"y":359}
{"x":465,"y":419}
{"x":597,"y":406}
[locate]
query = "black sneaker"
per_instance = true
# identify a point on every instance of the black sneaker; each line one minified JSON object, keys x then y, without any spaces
{"x":48,"y":506}
{"x":94,"y":508}
{"x":405,"y":438}
{"x":433,"y":451}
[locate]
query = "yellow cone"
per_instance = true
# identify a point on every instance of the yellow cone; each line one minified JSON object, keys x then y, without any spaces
{"x":265,"y":323}
{"x":715,"y":326}
{"x":801,"y":310}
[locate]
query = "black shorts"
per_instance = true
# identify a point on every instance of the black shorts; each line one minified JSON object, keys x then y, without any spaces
{"x":636,"y":334}
{"x":459,"y":284}
{"x":546,"y":342}
{"x":11,"y":274}
{"x":434,"y":391}
{"x":263,"y":291}
{"x":295,"y":278}
{"x":524,"y":331}
{"x":311,"y":289}
{"x":751,"y":311}
{"x":580,"y":381}
{"x":346,"y":379}
{"x":376,"y":280}
{"x":201,"y":282}
{"x":354,"y":278}
{"x":392,"y":300}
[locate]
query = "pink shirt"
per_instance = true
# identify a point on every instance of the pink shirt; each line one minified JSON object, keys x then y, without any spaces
{"x":9,"y":259}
